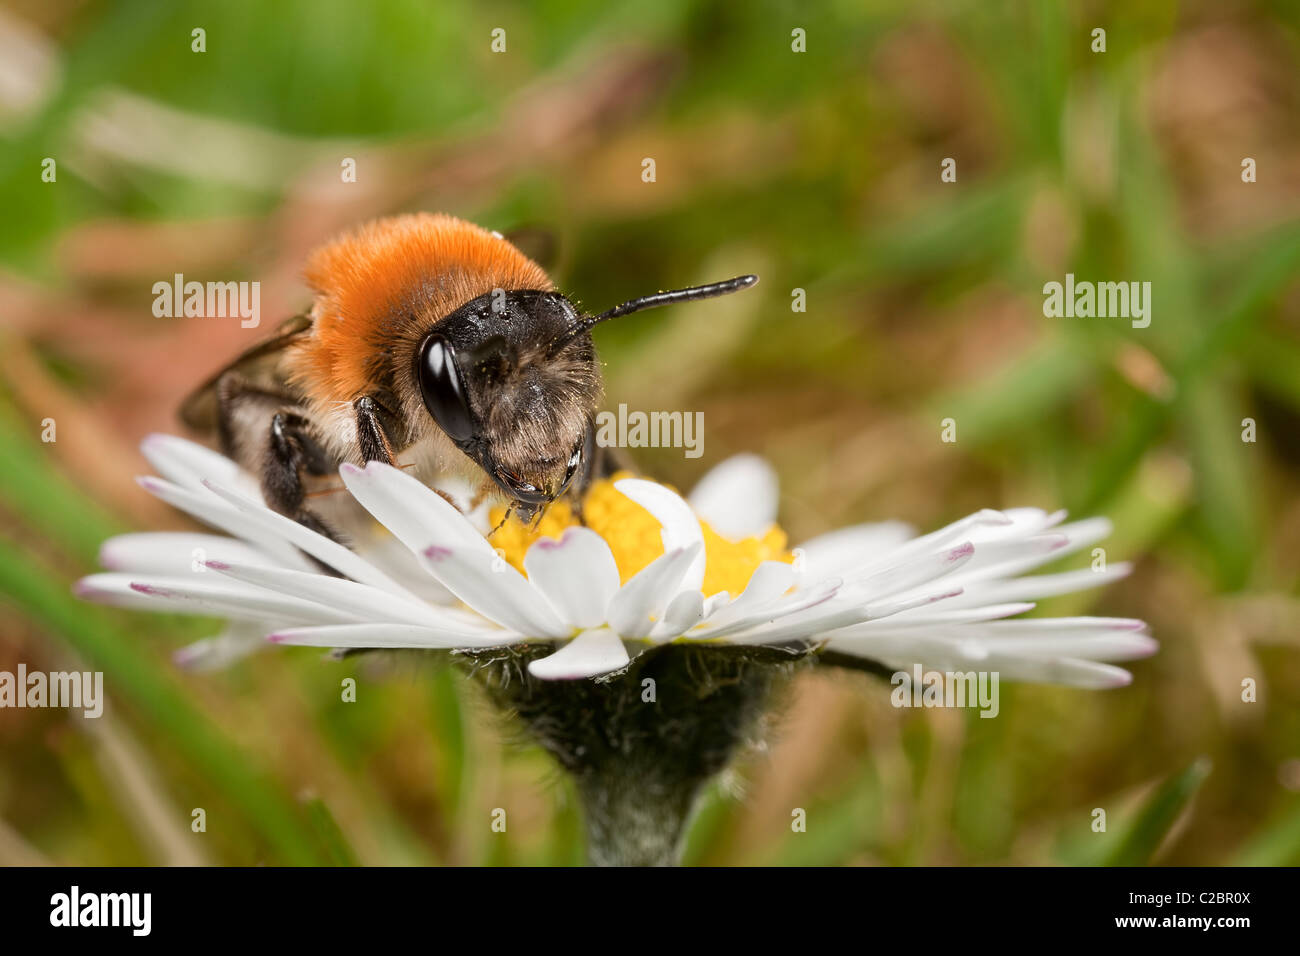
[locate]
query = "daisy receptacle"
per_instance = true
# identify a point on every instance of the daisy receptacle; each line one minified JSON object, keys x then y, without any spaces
{"x":642,"y":647}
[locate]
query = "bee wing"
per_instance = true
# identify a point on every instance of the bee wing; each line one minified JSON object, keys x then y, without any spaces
{"x":258,"y":363}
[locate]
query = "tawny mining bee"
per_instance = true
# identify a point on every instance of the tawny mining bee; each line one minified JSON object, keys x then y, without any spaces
{"x":431,"y":343}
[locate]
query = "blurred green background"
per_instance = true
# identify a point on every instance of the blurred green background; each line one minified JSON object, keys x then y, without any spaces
{"x":818,"y":170}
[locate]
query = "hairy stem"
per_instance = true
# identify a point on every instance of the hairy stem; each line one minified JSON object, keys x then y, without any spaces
{"x":641,"y":745}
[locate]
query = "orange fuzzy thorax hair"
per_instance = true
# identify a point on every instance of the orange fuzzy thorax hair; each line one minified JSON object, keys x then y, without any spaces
{"x":370,"y":282}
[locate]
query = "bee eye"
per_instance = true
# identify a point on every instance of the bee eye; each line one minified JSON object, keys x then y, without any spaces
{"x":441,"y":387}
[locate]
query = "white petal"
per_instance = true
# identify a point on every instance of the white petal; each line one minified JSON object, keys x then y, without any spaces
{"x":642,"y":601}
{"x":1056,"y":625}
{"x":999,"y":559}
{"x":1051,"y":649}
{"x":1112,"y":646}
{"x":1090,"y":528}
{"x":1085,"y":532}
{"x":211,"y":510}
{"x":915,"y":599}
{"x":851,"y":547}
{"x":1089,"y":675}
{"x":715,"y":602}
{"x":943,"y":612}
{"x":1009,"y":558}
{"x":912,"y":574}
{"x":977,"y":525}
{"x":1039,"y":631}
{"x":236,"y":641}
{"x":493,"y":588}
{"x":589,"y":654}
{"x":830,"y":617}
{"x":1058,"y":670}
{"x":384,"y":635}
{"x":683,"y":613}
{"x":360,"y":601}
{"x":681,"y":529}
{"x":770,"y":580}
{"x":341,"y":559}
{"x":738,"y":498}
{"x":410,"y":509}
{"x":172,"y":552}
{"x":1040,"y":585}
{"x":452,"y":550}
{"x":217,"y":596}
{"x":1022,"y":523}
{"x":792,"y":610}
{"x":187,"y":463}
{"x":380,"y":548}
{"x":577,"y":573}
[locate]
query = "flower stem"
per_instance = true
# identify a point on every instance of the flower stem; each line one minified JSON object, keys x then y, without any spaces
{"x":630,"y":824}
{"x":642,"y":744}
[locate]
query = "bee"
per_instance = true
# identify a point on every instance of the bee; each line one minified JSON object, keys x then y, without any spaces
{"x":432,"y":344}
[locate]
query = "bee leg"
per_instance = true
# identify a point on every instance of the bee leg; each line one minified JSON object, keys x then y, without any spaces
{"x":242,"y":408}
{"x":373,"y":439}
{"x":291,"y":449}
{"x":449,"y":499}
{"x":371,"y":435}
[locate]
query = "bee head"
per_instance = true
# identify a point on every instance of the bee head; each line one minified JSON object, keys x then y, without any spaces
{"x":511,"y":378}
{"x":512,"y":385}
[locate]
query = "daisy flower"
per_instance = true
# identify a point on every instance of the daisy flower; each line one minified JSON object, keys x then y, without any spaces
{"x":644,"y":568}
{"x":641,"y":642}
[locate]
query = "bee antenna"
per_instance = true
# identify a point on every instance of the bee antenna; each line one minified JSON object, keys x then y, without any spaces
{"x":672,"y":297}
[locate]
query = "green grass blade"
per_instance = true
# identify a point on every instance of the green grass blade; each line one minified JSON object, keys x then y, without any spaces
{"x":1278,"y":844}
{"x":327,"y":829}
{"x":1138,"y":842}
{"x":131,"y":676}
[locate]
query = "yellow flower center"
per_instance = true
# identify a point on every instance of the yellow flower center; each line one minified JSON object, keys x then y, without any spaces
{"x":633,"y":534}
